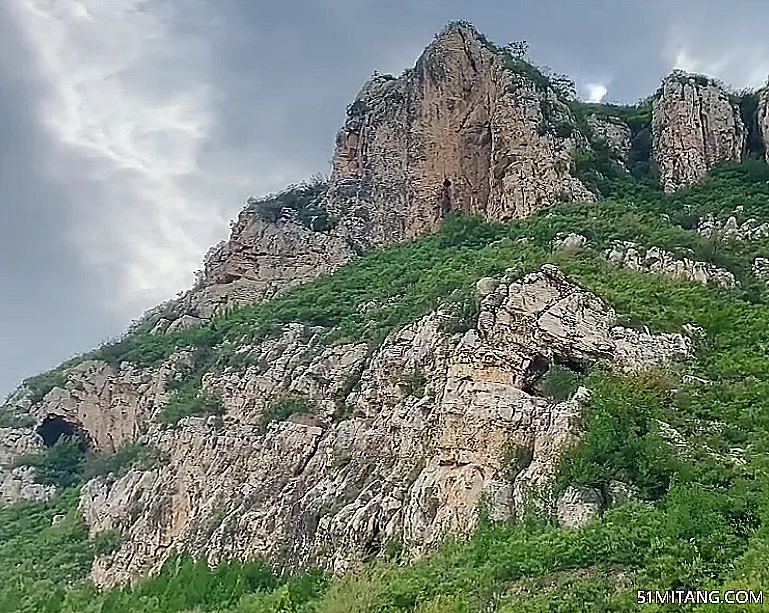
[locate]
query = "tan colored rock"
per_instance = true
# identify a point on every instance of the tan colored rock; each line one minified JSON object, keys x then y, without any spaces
{"x":399,"y":445}
{"x":695,"y":125}
{"x":662,"y":262}
{"x":260,"y":259}
{"x":613,"y":133}
{"x":111,"y":405}
{"x":458,"y":132}
{"x":763,"y":119}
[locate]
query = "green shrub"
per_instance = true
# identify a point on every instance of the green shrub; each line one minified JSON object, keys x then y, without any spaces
{"x":127,"y":457}
{"x":287,"y":405}
{"x":40,"y":385}
{"x":190,"y":404}
{"x":305,"y":199}
{"x":60,"y":465}
{"x":414,"y":383}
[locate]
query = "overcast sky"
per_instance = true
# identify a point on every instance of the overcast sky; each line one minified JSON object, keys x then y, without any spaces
{"x":131,"y":131}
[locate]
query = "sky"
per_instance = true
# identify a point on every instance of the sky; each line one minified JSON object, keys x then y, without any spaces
{"x":132,"y":131}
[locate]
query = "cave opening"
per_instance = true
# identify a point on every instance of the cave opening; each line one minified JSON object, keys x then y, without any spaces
{"x":53,"y":428}
{"x":445,"y":205}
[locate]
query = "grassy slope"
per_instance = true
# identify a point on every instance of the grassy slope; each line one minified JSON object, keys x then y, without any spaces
{"x":702,"y":521}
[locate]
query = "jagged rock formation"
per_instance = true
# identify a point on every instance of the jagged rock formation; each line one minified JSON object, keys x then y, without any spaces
{"x":730,"y":229}
{"x":18,"y":483}
{"x":760,"y":269}
{"x":459,"y":132}
{"x":259,"y":259}
{"x":400,"y":444}
{"x":695,"y":125}
{"x":763,"y":119}
{"x":612,"y":132}
{"x":661,"y":262}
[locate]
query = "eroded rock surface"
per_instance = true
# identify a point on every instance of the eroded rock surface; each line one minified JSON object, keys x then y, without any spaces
{"x":731,"y":229}
{"x":763,"y":119}
{"x":612,"y":132}
{"x":658,"y":261}
{"x":458,"y":132}
{"x":400,"y":444}
{"x":695,"y":125}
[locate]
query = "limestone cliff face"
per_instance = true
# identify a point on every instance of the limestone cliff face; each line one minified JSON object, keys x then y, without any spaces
{"x":458,"y":132}
{"x":695,"y":126}
{"x":259,"y":259}
{"x":613,"y":133}
{"x":763,"y":119}
{"x":398,"y":445}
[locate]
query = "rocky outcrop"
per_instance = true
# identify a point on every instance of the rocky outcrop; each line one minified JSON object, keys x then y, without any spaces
{"x":730,"y":229}
{"x":464,"y":130}
{"x":461,"y":131}
{"x":398,"y":445}
{"x":695,"y":125}
{"x":760,"y":269}
{"x":763,"y":119}
{"x":17,"y":483}
{"x":661,"y":262}
{"x":260,"y":258}
{"x":613,"y":133}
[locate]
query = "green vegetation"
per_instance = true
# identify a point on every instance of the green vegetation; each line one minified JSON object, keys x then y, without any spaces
{"x":560,"y":382}
{"x":306,"y":199}
{"x":695,"y":453}
{"x":285,"y":406}
{"x":413,"y":383}
{"x":190,"y":402}
{"x":67,"y":463}
{"x":40,"y":385}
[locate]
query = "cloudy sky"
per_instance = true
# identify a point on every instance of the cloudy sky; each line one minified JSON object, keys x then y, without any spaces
{"x":131,"y":131}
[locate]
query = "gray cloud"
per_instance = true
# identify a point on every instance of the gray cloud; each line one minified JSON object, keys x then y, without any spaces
{"x":133,"y":130}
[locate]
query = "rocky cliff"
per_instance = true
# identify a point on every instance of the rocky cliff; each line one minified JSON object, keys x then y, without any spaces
{"x":695,"y":126}
{"x":763,"y":119}
{"x":401,"y":444}
{"x":469,"y":128}
{"x":320,"y":446}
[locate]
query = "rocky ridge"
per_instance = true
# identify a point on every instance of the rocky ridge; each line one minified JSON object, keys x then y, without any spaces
{"x":428,"y":430}
{"x":402,"y":442}
{"x":695,"y":125}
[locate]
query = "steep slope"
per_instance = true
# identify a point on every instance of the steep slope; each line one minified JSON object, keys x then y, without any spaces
{"x":580,"y":390}
{"x":763,"y":119}
{"x":470,"y":128}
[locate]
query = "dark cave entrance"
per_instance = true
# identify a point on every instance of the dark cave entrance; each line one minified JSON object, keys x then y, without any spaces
{"x":53,"y":428}
{"x":444,"y":203}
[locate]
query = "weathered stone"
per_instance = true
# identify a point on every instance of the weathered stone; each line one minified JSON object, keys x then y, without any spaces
{"x":761,"y":269}
{"x":486,"y":286}
{"x":695,"y":126}
{"x":730,"y":229}
{"x":763,"y":119}
{"x":661,"y":262}
{"x":578,"y":505}
{"x":612,"y":132}
{"x":18,"y":483}
{"x":427,"y":431}
{"x":458,"y":132}
{"x":571,"y":242}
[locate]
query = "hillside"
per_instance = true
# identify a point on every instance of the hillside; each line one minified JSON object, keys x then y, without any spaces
{"x":511,"y":356}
